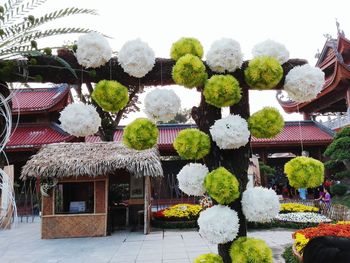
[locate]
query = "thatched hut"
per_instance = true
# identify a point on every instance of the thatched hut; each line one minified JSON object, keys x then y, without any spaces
{"x":79,"y":174}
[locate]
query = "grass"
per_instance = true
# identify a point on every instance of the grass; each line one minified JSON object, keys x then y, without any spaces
{"x":342,"y":200}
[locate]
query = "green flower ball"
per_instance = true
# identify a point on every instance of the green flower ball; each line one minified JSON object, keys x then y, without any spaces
{"x":208,"y":258}
{"x":110,"y":95}
{"x":304,"y":172}
{"x":249,"y":250}
{"x":263,"y":73}
{"x":189,"y":71}
{"x":222,"y":91}
{"x":192,"y":144}
{"x":266,"y":123}
{"x":222,"y":185}
{"x":184,"y":46}
{"x":141,"y":134}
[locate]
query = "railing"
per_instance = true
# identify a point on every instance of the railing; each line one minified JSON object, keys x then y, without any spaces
{"x":338,"y":122}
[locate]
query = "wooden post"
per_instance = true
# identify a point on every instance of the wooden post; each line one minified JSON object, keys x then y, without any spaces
{"x":147,"y":206}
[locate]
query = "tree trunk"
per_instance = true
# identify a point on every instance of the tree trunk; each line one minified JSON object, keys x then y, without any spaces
{"x":236,"y":161}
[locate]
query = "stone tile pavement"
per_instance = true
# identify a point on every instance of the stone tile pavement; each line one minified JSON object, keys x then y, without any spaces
{"x":23,"y":244}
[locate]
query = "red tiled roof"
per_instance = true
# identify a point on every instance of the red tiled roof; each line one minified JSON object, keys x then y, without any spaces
{"x":37,"y":99}
{"x":311,"y":134}
{"x":292,"y":133}
{"x":32,"y":137}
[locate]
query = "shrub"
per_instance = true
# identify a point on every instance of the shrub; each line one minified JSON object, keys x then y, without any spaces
{"x":289,"y":256}
{"x":339,"y":189}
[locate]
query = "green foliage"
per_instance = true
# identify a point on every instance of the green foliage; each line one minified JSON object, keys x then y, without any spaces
{"x":110,"y":95}
{"x":182,"y":116}
{"x":208,"y":258}
{"x":192,"y":144}
{"x":267,"y":170}
{"x":342,"y":200}
{"x":263,"y":73}
{"x":339,"y":189}
{"x":20,"y":31}
{"x":222,"y":91}
{"x":140,"y":134}
{"x":6,"y":68}
{"x":189,"y":71}
{"x":334,"y":165}
{"x":342,"y":175}
{"x":304,"y":172}
{"x":266,"y":123}
{"x":289,"y":256}
{"x":222,"y":186}
{"x":339,"y":149}
{"x":249,"y":250}
{"x":186,"y":46}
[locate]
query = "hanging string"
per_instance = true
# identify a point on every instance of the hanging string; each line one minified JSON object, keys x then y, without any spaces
{"x":300,"y":133}
{"x":110,"y":69}
{"x":81,"y":85}
{"x":161,"y":73}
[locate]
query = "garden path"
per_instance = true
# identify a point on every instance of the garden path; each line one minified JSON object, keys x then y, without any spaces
{"x":23,"y":244}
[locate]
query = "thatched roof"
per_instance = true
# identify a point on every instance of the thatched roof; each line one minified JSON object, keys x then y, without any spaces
{"x":91,"y":159}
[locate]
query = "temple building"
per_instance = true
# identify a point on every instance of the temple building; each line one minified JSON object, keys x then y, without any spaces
{"x":334,"y":99}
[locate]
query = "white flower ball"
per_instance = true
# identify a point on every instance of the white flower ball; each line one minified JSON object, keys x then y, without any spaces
{"x":272,"y":49}
{"x":162,"y":104}
{"x":219,"y":224}
{"x":93,"y":50}
{"x":191,"y":179}
{"x":224,"y":55}
{"x":231,"y":132}
{"x":260,"y":204}
{"x":136,"y":58}
{"x":303,"y":83}
{"x":80,"y":119}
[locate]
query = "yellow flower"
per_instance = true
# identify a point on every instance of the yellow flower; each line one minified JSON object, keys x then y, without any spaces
{"x":295,"y":207}
{"x":300,"y":242}
{"x":183,"y":211}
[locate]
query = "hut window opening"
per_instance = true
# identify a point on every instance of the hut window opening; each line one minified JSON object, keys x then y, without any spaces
{"x":74,"y":198}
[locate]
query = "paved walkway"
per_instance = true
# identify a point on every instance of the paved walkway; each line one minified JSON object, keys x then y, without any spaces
{"x":23,"y":244}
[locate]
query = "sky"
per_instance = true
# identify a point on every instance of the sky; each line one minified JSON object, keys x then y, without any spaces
{"x":299,"y":25}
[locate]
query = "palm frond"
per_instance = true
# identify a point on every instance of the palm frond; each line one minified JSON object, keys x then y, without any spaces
{"x":29,"y":25}
{"x":15,"y":9}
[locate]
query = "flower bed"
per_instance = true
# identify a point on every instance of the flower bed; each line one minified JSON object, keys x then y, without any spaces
{"x":177,"y":216}
{"x":302,"y":237}
{"x":180,"y":212}
{"x":296,"y":207}
{"x":303,"y":217}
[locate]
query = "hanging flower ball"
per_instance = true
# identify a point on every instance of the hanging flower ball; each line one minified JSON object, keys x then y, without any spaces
{"x":208,"y":258}
{"x":219,"y":224}
{"x":260,"y":204}
{"x":162,"y":105}
{"x":93,"y":50}
{"x":222,"y":185}
{"x":192,"y":144}
{"x":266,"y":123}
{"x":230,"y":132}
{"x":80,"y":119}
{"x":225,"y":55}
{"x":189,"y":71}
{"x":222,"y":91}
{"x":110,"y":95}
{"x":136,"y":58}
{"x":303,"y":83}
{"x":184,"y":46}
{"x":191,"y":179}
{"x":304,"y":172}
{"x":263,"y":73}
{"x":248,"y":249}
{"x":141,"y":134}
{"x":272,"y":49}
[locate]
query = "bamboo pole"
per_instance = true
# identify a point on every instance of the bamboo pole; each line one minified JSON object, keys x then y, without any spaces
{"x":147,"y":205}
